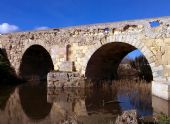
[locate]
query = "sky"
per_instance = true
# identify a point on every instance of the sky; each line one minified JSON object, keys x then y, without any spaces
{"x":24,"y":15}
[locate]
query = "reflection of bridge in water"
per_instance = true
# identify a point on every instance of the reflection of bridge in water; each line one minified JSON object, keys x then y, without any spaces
{"x":31,"y":104}
{"x":28,"y":104}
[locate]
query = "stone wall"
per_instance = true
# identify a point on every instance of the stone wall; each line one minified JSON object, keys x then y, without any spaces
{"x":64,"y":79}
{"x":84,"y":41}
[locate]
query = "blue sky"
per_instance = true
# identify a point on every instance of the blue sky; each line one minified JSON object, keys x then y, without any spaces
{"x":134,"y":54}
{"x":30,"y":14}
{"x":21,"y":15}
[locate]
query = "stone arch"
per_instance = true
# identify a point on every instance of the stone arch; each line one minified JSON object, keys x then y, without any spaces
{"x":36,"y":60}
{"x":151,"y":58}
{"x":31,"y":43}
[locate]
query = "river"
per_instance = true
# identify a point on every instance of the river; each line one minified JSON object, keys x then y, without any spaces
{"x":33,"y":103}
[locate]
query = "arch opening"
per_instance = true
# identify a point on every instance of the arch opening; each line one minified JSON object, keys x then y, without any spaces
{"x":36,"y":63}
{"x":104,"y":63}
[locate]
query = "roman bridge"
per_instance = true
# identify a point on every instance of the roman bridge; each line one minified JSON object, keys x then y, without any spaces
{"x":92,"y":51}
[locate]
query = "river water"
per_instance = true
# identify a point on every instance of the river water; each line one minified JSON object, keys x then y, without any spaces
{"x":33,"y":103}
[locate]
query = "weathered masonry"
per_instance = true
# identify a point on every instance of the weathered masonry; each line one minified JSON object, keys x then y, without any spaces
{"x":89,"y":51}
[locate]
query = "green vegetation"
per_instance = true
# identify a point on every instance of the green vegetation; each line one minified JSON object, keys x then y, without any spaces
{"x":4,"y":65}
{"x":163,"y":119}
{"x":142,"y":66}
{"x":135,"y":69}
{"x":7,"y":74}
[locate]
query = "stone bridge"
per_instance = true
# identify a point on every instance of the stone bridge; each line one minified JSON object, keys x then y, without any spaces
{"x":92,"y":51}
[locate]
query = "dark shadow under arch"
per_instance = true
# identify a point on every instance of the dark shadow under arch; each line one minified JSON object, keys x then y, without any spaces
{"x":104,"y":63}
{"x":36,"y":63}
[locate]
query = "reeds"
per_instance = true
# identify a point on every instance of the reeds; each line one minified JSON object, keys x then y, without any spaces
{"x":124,"y":84}
{"x":138,"y":92}
{"x":128,"y":85}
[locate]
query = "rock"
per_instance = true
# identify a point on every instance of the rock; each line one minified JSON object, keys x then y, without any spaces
{"x":127,"y":117}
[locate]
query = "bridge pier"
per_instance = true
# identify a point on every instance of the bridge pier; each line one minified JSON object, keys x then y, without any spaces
{"x":161,"y":89}
{"x":65,"y":77}
{"x":59,"y":79}
{"x":160,"y":105}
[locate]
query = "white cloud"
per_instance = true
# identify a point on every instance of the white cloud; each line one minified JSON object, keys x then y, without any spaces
{"x":41,"y":28}
{"x":7,"y":28}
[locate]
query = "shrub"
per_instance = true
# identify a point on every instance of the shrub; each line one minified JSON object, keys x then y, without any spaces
{"x":163,"y":119}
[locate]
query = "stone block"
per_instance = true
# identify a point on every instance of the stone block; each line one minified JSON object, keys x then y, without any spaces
{"x":159,"y":42}
{"x":165,"y":105}
{"x":158,"y":68}
{"x":161,"y":89}
{"x":66,"y":66}
{"x":58,"y":79}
